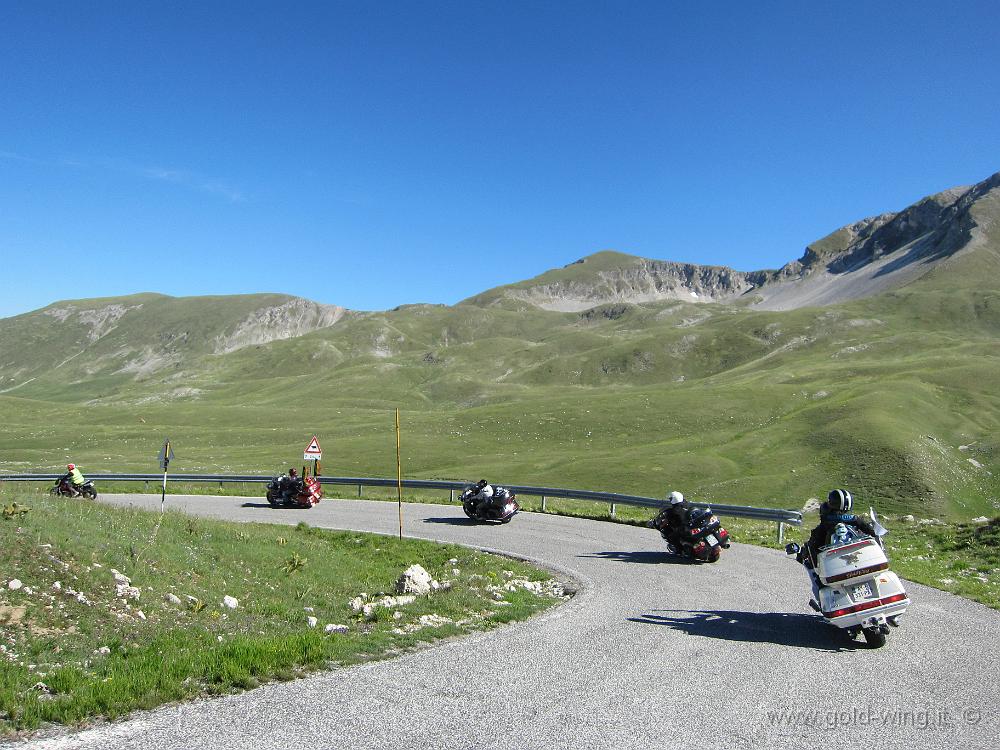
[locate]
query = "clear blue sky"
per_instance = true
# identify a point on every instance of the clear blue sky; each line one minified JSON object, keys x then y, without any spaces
{"x":371,"y":154}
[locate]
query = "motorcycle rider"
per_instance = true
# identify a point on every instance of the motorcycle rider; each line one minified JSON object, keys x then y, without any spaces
{"x":75,"y":479}
{"x":834,"y":512}
{"x":674,"y":516}
{"x":289,"y":484}
{"x":483,"y":496}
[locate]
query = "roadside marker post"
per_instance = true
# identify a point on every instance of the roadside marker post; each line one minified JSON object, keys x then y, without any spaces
{"x":399,"y":478}
{"x":166,"y":453}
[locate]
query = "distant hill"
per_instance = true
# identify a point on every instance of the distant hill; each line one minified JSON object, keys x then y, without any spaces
{"x":859,"y":260}
{"x":872,"y":362}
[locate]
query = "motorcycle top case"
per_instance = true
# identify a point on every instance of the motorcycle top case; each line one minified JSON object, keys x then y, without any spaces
{"x":857,"y":559}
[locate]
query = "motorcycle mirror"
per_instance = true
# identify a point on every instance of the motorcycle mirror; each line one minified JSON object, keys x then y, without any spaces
{"x":792,"y":549}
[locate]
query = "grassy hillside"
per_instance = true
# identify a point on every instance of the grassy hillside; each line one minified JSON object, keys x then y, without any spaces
{"x":891,"y":396}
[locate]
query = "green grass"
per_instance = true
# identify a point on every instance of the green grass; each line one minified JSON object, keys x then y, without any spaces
{"x":97,"y":654}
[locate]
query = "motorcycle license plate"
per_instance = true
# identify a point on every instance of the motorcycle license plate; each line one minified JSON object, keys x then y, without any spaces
{"x":861,"y":591}
{"x":712,"y":541}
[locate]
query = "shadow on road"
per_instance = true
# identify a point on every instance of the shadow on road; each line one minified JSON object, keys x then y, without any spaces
{"x":648,"y":557}
{"x":256,"y":505}
{"x":781,"y":628}
{"x":452,"y":521}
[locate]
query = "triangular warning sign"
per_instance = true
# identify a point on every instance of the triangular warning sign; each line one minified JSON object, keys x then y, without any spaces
{"x":313,"y":448}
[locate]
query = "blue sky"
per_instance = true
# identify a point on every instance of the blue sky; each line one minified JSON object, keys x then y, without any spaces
{"x":372,"y":154}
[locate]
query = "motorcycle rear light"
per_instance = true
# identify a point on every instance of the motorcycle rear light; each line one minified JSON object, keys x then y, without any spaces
{"x":865,"y":605}
{"x":859,"y":572}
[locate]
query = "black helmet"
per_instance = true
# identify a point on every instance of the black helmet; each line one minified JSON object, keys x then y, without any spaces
{"x":840,"y":500}
{"x":482,"y":483}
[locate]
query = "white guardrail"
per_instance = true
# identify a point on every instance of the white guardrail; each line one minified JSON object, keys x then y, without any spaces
{"x":774,"y":515}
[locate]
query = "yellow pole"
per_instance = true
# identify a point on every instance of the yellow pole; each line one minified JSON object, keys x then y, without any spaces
{"x":399,"y":478}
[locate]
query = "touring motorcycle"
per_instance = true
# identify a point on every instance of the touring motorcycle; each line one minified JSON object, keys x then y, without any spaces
{"x":701,"y":537}
{"x":857,"y":590}
{"x":503,"y":505}
{"x":294,"y":492}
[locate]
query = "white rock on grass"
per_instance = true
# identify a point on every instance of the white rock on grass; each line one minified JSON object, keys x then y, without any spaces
{"x":334,"y":628}
{"x":57,"y":586}
{"x":414,"y":580}
{"x":981,"y":519}
{"x":172,"y":598}
{"x":311,"y":621}
{"x":121,"y":578}
{"x":15,"y":584}
{"x":231,"y":602}
{"x":124,"y":591}
{"x":434,"y":621}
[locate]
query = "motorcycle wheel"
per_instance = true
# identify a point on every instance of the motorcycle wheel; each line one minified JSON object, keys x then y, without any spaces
{"x":874,"y":637}
{"x":507,"y":519}
{"x":271,"y":499}
{"x":468,"y":512}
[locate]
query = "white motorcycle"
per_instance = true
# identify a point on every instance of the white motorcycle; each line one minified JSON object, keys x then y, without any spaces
{"x":858,"y":592}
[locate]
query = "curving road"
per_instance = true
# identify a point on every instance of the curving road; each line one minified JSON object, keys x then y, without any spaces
{"x":651,"y":653}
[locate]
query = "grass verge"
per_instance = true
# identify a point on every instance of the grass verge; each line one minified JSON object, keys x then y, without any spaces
{"x":106,"y":610}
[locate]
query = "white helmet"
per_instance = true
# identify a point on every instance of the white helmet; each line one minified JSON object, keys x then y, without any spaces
{"x":487,"y":491}
{"x":675,"y":497}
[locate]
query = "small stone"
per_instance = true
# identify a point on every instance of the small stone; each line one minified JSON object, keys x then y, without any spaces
{"x":414,"y":580}
{"x":311,"y":621}
{"x":172,"y":598}
{"x":308,"y":609}
{"x":230,"y":601}
{"x":119,"y":577}
{"x":908,"y":518}
{"x":124,"y":591}
{"x":357,"y":603}
{"x":15,"y":584}
{"x":57,"y":586}
{"x":103,"y":650}
{"x":333,"y":628}
{"x":981,"y":519}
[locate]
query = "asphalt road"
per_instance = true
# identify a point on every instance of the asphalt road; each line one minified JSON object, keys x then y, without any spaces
{"x":651,"y":653}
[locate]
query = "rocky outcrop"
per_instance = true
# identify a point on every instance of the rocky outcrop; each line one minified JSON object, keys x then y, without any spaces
{"x":638,"y":280}
{"x":293,"y":318}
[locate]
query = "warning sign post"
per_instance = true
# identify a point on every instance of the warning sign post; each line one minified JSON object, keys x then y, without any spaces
{"x":313,"y":453}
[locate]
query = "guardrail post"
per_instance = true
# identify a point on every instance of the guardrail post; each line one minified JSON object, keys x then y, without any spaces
{"x":612,"y":510}
{"x":359,"y":490}
{"x":543,"y":503}
{"x":451,"y":495}
{"x":781,"y":532}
